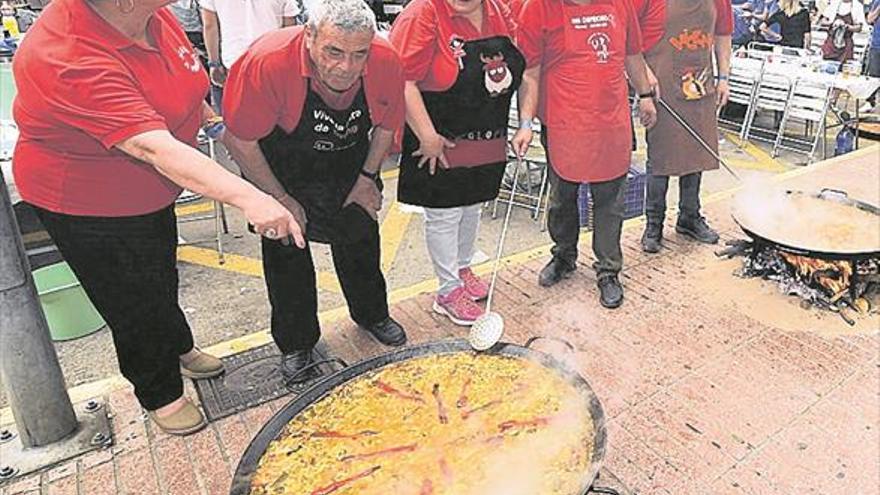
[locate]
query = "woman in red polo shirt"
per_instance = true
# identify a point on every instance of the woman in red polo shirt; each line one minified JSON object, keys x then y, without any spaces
{"x":462,"y":68}
{"x":111,"y":97}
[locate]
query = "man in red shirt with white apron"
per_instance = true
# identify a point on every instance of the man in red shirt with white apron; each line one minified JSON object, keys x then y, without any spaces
{"x":578,"y":53}
{"x":683,"y":63}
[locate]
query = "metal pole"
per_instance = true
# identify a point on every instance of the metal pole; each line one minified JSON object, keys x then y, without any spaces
{"x":28,"y":363}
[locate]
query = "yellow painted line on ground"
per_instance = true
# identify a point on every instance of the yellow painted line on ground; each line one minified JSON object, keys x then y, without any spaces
{"x":192,"y":209}
{"x":765,"y":161}
{"x":391,"y":233}
{"x":243,"y":265}
{"x":262,"y":337}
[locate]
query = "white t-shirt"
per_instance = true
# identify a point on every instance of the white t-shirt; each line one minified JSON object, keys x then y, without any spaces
{"x":243,"y":21}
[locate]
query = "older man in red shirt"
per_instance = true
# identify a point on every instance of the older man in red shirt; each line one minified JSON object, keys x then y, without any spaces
{"x":312,"y":112}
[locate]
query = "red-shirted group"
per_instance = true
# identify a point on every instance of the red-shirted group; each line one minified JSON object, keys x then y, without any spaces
{"x":111,"y":98}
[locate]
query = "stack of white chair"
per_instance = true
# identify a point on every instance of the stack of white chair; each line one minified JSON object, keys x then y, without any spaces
{"x":772,"y":94}
{"x":808,"y":104}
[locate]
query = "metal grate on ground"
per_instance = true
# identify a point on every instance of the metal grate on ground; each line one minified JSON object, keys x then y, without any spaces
{"x":252,"y":378}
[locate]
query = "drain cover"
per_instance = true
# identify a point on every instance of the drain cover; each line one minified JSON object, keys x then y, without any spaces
{"x":252,"y":378}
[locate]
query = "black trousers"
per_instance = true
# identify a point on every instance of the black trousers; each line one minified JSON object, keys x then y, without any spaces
{"x":563,"y":219}
{"x":128,"y":268}
{"x":291,"y":281}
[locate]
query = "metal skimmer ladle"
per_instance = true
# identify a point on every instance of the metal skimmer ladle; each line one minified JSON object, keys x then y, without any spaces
{"x":488,"y":329}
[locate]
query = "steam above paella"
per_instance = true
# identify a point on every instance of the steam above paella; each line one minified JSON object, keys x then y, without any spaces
{"x":458,"y":423}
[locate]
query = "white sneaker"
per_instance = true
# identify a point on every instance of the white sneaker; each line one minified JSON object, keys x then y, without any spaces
{"x":866,"y":108}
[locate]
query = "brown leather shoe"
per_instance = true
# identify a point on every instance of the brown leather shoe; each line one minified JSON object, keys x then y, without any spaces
{"x":188,"y":419}
{"x":203,"y":365}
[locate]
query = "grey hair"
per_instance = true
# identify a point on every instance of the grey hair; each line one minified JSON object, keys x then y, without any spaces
{"x":346,"y":15}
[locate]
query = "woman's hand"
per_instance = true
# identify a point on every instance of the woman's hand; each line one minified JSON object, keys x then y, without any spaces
{"x":431,"y":150}
{"x":276,"y":220}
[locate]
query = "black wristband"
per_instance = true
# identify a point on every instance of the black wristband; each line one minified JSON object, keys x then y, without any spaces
{"x":649,"y":94}
{"x":370,"y":175}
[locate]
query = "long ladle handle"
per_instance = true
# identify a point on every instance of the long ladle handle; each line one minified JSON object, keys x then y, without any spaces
{"x":696,"y":136}
{"x":503,"y":233}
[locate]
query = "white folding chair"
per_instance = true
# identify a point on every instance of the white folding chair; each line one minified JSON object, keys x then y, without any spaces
{"x":772,"y":95}
{"x":745,"y":73}
{"x":809,"y":104}
{"x":861,"y":44}
{"x":532,"y":189}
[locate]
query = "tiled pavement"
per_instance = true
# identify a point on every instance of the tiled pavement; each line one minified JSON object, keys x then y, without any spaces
{"x":701,"y":398}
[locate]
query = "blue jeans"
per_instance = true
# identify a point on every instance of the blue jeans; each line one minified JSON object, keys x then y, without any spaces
{"x":688,"y":197}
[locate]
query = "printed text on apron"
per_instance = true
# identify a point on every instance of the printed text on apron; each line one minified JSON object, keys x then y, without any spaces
{"x":590,"y":131}
{"x":319,"y":162}
{"x":682,"y":62}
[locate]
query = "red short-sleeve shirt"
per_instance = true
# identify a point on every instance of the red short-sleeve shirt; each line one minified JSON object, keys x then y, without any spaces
{"x":724,"y":19}
{"x":541,"y":33}
{"x":422,"y":34}
{"x":652,"y":21}
{"x":83,"y":87}
{"x":267,"y":86}
{"x":541,"y":38}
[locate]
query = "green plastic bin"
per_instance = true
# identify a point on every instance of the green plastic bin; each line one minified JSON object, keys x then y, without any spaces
{"x":68,"y":310}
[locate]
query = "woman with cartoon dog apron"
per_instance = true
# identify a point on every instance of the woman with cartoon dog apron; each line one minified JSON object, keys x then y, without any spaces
{"x":465,"y":67}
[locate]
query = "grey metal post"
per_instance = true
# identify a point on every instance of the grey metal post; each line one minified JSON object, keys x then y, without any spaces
{"x":28,"y":363}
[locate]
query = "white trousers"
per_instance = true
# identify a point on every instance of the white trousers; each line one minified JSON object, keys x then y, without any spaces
{"x":450,"y":234}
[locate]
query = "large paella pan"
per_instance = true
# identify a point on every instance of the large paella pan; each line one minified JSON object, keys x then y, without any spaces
{"x":434,"y":419}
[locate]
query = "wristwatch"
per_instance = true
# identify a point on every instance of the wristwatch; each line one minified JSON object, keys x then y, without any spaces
{"x":527,"y":124}
{"x":213,"y":64}
{"x":649,"y":94}
{"x":370,"y":175}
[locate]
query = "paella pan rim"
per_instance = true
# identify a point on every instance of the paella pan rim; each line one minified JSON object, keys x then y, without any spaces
{"x":247,"y":466}
{"x":841,"y":254}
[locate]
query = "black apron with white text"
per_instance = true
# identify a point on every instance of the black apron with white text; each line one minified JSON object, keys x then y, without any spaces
{"x":318,"y":163}
{"x":472,"y":113}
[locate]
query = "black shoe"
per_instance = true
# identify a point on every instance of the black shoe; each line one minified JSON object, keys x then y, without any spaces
{"x":555,"y":271}
{"x":292,"y":365}
{"x":388,"y":332}
{"x":652,"y":239}
{"x":697,"y":229}
{"x":610,"y":291}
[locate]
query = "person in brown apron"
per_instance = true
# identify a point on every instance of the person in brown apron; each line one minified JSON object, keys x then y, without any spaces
{"x":578,"y":54}
{"x":312,"y":112}
{"x":842,"y":18}
{"x":682,"y":61}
